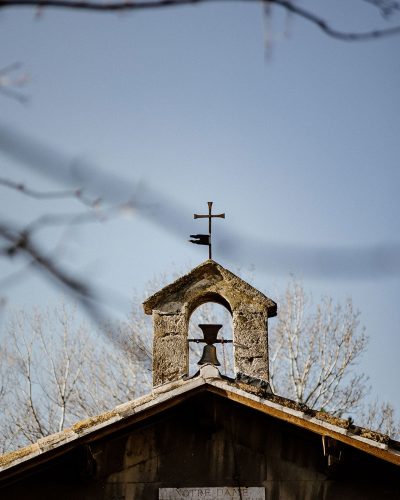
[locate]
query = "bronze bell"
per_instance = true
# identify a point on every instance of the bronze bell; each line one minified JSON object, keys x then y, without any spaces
{"x":210,"y":333}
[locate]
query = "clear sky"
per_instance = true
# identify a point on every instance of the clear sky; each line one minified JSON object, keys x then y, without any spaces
{"x":178,"y":107}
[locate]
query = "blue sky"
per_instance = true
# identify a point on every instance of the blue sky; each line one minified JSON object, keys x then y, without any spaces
{"x":182,"y":106}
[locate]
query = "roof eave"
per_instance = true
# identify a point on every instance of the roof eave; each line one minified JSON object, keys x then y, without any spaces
{"x":167,"y":396}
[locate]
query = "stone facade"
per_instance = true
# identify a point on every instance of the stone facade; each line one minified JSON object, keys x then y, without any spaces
{"x":172,"y":307}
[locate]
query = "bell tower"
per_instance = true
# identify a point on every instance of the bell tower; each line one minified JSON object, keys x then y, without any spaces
{"x":172,"y":306}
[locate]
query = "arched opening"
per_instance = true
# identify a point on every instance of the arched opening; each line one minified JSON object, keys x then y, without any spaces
{"x":212,"y":312}
{"x":209,"y":297}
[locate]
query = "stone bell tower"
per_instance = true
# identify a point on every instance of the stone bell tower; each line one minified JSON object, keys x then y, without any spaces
{"x":173,"y":306}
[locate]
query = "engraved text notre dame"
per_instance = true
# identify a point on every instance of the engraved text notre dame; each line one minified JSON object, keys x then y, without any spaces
{"x":218,"y":493}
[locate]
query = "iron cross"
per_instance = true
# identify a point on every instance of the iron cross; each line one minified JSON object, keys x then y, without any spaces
{"x":205,"y":239}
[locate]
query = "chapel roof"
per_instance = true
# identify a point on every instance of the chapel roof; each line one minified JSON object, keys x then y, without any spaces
{"x":172,"y":394}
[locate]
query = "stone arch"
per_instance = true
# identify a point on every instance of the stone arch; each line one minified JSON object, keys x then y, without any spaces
{"x":206,"y":298}
{"x":172,"y":307}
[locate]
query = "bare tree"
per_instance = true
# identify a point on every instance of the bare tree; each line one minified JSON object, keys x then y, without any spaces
{"x":54,"y":372}
{"x":380,"y":415}
{"x":313,"y":352}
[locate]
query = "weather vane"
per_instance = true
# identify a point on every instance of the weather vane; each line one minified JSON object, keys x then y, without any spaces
{"x":205,"y":239}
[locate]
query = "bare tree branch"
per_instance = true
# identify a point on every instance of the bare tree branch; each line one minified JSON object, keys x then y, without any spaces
{"x":386,"y":7}
{"x":345,"y":262}
{"x":313,"y":353}
{"x":49,"y":195}
{"x":21,"y":243}
{"x":381,"y":416}
{"x":17,"y":96}
{"x":157,"y":4}
{"x":9,"y":85}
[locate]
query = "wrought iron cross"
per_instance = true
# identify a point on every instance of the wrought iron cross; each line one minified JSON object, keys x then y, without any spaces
{"x":205,"y":239}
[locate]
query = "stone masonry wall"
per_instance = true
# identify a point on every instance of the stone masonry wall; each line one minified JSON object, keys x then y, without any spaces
{"x":170,"y":351}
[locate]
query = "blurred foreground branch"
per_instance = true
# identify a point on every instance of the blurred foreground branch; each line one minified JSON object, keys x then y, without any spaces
{"x":49,"y":195}
{"x":9,"y":85}
{"x":20,"y":242}
{"x":333,"y":261}
{"x":24,"y":242}
{"x":386,"y":7}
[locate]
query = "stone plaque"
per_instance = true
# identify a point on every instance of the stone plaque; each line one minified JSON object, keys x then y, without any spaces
{"x":217,"y":493}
